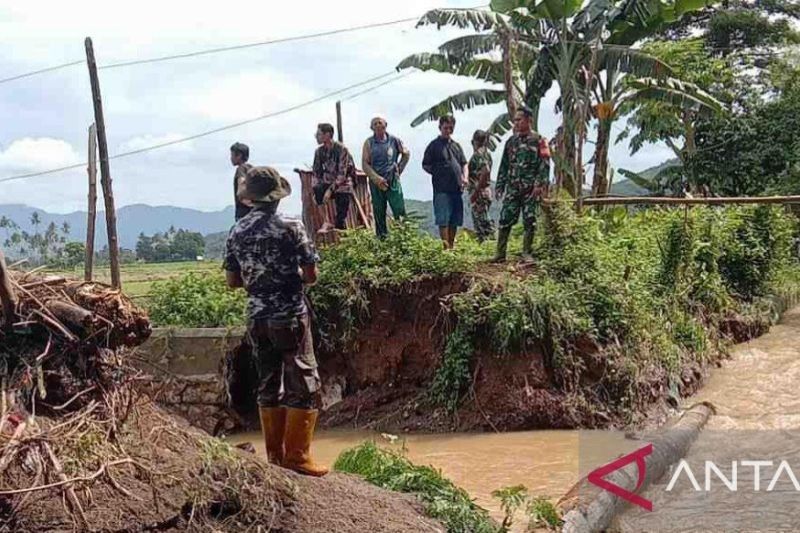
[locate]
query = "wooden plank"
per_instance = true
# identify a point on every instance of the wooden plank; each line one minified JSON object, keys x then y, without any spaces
{"x":92,"y":217}
{"x":105,"y":172}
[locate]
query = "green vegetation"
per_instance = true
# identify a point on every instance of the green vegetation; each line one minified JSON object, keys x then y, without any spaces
{"x":646,"y":292}
{"x":172,"y":245}
{"x":360,"y":264}
{"x":390,"y":469}
{"x":139,"y":279}
{"x":443,"y":500}
{"x":196,"y":301}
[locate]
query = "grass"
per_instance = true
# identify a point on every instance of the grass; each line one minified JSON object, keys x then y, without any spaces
{"x":443,"y":500}
{"x":138,"y":278}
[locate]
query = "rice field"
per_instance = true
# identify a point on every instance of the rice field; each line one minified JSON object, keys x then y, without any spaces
{"x":138,"y":278}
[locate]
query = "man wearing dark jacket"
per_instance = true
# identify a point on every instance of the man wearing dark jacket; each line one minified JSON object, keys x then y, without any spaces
{"x":444,"y":160}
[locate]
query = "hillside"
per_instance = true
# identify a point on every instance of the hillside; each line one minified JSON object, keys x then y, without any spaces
{"x":625,"y":187}
{"x":131,"y":221}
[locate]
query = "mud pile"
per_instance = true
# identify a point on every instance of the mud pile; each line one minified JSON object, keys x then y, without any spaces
{"x":83,"y":448}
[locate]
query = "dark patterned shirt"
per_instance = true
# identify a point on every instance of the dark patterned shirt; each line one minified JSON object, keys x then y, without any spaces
{"x":335,"y":166}
{"x":267,"y":249}
{"x":481,"y":160}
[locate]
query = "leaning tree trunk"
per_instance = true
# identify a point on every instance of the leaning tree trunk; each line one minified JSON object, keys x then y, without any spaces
{"x":508,"y":74}
{"x":600,"y":183}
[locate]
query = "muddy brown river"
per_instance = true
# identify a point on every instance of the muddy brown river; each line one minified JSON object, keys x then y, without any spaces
{"x":757,"y":397}
{"x":546,"y":462}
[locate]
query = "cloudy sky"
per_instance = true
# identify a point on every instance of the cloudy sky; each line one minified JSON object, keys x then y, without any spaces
{"x":44,"y":119}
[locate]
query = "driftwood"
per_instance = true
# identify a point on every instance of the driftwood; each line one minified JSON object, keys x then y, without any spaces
{"x":77,"y":312}
{"x":588,"y":508}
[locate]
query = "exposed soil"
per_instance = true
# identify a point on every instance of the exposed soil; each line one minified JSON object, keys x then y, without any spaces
{"x":160,"y":474}
{"x":388,"y":375}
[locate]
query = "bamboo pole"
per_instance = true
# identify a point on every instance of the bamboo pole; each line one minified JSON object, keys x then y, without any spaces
{"x":339,"y":132}
{"x":105,"y":172}
{"x":656,"y":200}
{"x":92,"y":216}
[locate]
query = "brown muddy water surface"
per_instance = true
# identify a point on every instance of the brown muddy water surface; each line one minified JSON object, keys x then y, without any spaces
{"x":757,"y":398}
{"x":546,"y":462}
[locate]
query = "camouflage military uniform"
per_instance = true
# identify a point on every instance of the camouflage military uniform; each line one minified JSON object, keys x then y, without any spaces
{"x":480,"y":197}
{"x":267,"y":250}
{"x":522,"y":169}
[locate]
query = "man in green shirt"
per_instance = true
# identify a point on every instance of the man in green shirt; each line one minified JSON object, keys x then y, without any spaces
{"x":522,"y":182}
{"x":383,"y":158}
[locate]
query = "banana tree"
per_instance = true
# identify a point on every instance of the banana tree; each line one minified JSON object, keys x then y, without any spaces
{"x":585,"y":50}
{"x":494,"y":55}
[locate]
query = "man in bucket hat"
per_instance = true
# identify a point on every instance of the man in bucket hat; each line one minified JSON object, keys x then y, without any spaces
{"x":272,"y":258}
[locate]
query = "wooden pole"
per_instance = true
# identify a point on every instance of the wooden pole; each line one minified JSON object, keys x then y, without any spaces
{"x":105,"y":172}
{"x":92,"y":217}
{"x":339,"y":133}
{"x":656,"y":200}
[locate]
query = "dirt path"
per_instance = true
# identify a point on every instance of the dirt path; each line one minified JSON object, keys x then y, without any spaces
{"x":758,"y":418}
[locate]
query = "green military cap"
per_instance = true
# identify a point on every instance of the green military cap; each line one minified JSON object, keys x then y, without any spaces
{"x":264,"y":184}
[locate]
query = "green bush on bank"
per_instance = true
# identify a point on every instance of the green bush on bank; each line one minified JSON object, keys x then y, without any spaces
{"x":196,"y":301}
{"x":443,"y":500}
{"x":647,"y":290}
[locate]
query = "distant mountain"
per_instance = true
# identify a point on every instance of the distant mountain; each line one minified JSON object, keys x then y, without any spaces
{"x":625,"y":187}
{"x":131,"y":221}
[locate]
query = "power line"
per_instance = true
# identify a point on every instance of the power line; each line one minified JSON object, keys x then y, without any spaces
{"x":378,"y":86}
{"x":227,"y":48}
{"x":212,"y":131}
{"x":41,"y":71}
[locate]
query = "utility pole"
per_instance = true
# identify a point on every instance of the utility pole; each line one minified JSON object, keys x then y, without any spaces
{"x":339,"y":132}
{"x":92,"y":170}
{"x":105,"y":172}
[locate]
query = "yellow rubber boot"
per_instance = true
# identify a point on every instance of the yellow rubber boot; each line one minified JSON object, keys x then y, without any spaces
{"x":273,"y":428}
{"x":300,"y":425}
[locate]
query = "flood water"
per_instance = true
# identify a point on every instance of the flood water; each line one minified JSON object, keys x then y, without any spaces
{"x":757,"y":397}
{"x":546,"y":462}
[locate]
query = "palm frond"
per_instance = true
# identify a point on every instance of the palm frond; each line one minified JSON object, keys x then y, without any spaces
{"x":499,"y":127}
{"x":460,"y":102}
{"x":477,"y":19}
{"x":674,"y":92}
{"x":468,"y":46}
{"x":651,"y":185}
{"x":482,"y":69}
{"x":631,"y":61}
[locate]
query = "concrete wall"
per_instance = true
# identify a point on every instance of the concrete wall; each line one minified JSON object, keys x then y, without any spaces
{"x":187,"y":369}
{"x":186,"y":365}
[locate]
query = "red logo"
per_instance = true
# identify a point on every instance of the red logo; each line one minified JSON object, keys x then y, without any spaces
{"x":596,"y":477}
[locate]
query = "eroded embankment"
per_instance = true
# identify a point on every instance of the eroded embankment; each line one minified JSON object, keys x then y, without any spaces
{"x":386,"y":378}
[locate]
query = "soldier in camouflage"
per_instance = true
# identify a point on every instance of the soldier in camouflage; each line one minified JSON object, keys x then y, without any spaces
{"x":522,"y":182}
{"x":479,"y":187}
{"x":272,"y":258}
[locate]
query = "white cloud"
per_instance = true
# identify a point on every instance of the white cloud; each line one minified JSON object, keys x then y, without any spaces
{"x":146,"y":141}
{"x":37,"y":154}
{"x":243,"y":96}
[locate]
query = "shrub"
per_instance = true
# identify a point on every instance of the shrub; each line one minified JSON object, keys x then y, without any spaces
{"x":196,"y":301}
{"x":443,"y":500}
